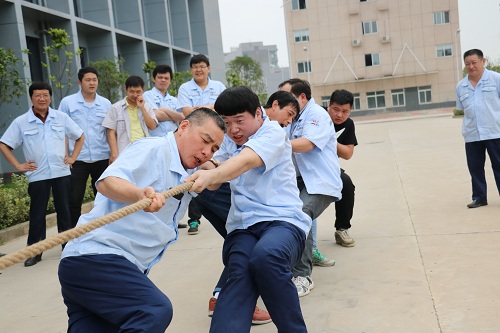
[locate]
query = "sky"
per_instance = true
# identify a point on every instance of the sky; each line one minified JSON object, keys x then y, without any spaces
{"x":245,"y":21}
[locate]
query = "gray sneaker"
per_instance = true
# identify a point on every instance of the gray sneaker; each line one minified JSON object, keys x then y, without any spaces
{"x":320,"y":260}
{"x":304,"y":285}
{"x":342,"y":238}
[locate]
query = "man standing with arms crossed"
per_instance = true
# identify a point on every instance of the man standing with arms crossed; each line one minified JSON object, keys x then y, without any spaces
{"x":478,"y":94}
{"x":87,"y":109}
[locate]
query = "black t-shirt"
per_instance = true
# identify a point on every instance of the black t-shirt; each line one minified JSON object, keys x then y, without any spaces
{"x":348,"y":135}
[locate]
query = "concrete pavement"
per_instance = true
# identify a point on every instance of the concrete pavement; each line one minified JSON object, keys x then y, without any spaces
{"x":423,"y":262}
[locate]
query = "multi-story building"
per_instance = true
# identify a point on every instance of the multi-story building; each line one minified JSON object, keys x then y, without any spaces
{"x":164,"y":31}
{"x":267,"y":57}
{"x":393,"y":55}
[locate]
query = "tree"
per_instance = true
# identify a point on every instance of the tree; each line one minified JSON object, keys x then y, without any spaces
{"x":11,"y":85}
{"x":244,"y":71}
{"x":111,"y":78}
{"x":60,"y":63}
{"x":148,"y":68}
{"x":178,"y":79}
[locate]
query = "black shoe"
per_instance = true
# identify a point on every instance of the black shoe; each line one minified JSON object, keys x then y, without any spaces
{"x":182,"y":225}
{"x":2,"y":254}
{"x":193,"y":228}
{"x":33,"y":260}
{"x":477,"y":203}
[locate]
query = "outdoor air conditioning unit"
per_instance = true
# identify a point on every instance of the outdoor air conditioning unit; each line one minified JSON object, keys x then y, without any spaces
{"x":356,"y":42}
{"x":386,"y":39}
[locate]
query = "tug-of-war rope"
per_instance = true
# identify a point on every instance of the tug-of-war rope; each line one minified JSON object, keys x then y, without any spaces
{"x":63,"y":237}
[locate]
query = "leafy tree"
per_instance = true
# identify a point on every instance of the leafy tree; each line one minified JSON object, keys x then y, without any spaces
{"x":61,"y":62}
{"x":245,"y":71}
{"x":111,"y":78}
{"x":493,"y":65}
{"x":148,"y":68}
{"x":178,"y":79}
{"x":11,"y":85}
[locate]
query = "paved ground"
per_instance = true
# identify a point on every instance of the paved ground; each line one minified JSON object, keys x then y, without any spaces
{"x":423,"y":262}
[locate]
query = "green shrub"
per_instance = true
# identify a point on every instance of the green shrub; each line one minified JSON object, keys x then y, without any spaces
{"x":458,"y":112}
{"x":15,"y":201}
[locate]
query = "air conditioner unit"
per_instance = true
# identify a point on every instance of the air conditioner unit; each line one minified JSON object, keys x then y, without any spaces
{"x":356,"y":42}
{"x":386,"y":39}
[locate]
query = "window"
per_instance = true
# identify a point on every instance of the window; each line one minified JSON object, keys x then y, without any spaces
{"x":441,"y":17}
{"x":398,"y":97}
{"x":301,"y":35}
{"x":325,"y":101}
{"x":298,"y":4}
{"x":357,"y":102}
{"x":424,"y":95}
{"x":372,"y":59}
{"x":369,"y":27}
{"x":304,"y":67}
{"x":375,"y":99}
{"x":443,"y":50}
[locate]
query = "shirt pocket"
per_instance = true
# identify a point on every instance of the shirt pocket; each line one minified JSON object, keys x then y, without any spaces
{"x":58,"y":131}
{"x":490,"y":93}
{"x":464,"y":100}
{"x":120,"y":125}
{"x":31,"y":136}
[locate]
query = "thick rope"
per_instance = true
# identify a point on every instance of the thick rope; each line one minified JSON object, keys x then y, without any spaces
{"x":63,"y":237}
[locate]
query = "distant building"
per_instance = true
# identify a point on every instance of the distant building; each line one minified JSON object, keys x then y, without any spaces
{"x":164,"y":31}
{"x":267,"y":57}
{"x":393,"y":55}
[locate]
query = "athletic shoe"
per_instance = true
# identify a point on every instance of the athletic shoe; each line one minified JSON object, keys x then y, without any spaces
{"x":304,"y":285}
{"x":320,"y":260}
{"x":193,"y":228}
{"x":259,"y":316}
{"x":181,"y":225}
{"x":342,"y":238}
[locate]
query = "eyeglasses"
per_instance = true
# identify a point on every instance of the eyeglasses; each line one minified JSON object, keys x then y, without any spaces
{"x":199,"y":67}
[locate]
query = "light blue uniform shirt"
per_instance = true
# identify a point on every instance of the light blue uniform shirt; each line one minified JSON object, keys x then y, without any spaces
{"x":157,"y":100}
{"x":269,"y":192}
{"x":89,"y":117}
{"x":141,"y":237}
{"x":45,"y":143}
{"x":318,"y":167}
{"x":481,"y":107}
{"x":190,"y":94}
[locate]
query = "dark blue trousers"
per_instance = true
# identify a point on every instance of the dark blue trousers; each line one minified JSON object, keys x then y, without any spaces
{"x":108,"y":293}
{"x":476,"y":157}
{"x":215,"y":205}
{"x":260,"y":260}
{"x":39,"y":193}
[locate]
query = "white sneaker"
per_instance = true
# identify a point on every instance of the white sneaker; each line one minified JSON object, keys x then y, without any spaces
{"x":304,"y":285}
{"x":342,"y":238}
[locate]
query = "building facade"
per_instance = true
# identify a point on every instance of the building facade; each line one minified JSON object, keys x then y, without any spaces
{"x":267,"y":57}
{"x":164,"y":31}
{"x":393,"y":55}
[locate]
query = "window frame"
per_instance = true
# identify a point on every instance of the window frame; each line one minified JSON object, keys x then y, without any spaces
{"x":442,"y":49}
{"x":356,"y":105}
{"x":427,"y":90}
{"x":372,"y":58}
{"x":370,"y":25}
{"x":306,"y":65}
{"x":442,"y":17}
{"x":399,"y":94}
{"x":376,"y":95}
{"x":304,"y":35}
{"x":296,"y":4}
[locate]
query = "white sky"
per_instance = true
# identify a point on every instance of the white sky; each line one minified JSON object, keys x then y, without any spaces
{"x":245,"y":21}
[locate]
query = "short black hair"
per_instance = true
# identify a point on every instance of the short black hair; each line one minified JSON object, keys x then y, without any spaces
{"x":86,"y":70}
{"x":284,"y":99}
{"x":134,"y":81}
{"x":341,"y":97}
{"x":199,"y":118}
{"x":39,"y":86}
{"x":163,"y":69}
{"x":298,"y":87}
{"x":471,"y":52}
{"x":235,"y":100}
{"x":196,"y":59}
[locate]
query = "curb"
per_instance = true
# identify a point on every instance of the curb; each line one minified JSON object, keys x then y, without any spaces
{"x":21,"y":229}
